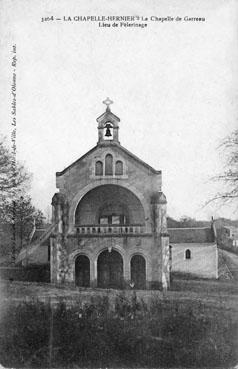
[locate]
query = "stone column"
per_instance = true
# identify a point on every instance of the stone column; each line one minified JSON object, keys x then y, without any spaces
{"x":161,"y":237}
{"x":59,"y":259}
{"x":94,"y":273}
{"x":100,"y":133}
{"x":165,"y":261}
{"x":115,"y":133}
{"x":126,"y":270}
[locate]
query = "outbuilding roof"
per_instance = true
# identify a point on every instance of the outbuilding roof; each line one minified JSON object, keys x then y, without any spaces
{"x":191,"y":235}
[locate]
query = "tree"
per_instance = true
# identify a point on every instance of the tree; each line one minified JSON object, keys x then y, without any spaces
{"x":230,"y":175}
{"x":13,"y":175}
{"x":13,"y":182}
{"x":26,"y":216}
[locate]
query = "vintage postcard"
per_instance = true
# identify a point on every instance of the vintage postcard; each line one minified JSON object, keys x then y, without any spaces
{"x":118,"y":184}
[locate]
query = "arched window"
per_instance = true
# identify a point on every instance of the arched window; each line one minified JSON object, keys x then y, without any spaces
{"x":187,"y":254}
{"x":119,"y":168}
{"x":99,"y":168}
{"x":108,"y":165}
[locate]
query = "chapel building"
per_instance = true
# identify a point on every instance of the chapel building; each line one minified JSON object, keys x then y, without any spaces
{"x":109,"y":226}
{"x":110,"y":218}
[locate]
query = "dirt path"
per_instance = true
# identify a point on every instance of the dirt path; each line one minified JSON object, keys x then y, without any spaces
{"x":231,"y":261}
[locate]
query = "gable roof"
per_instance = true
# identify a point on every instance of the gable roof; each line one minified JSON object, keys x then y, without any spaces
{"x":38,"y":235}
{"x":41,"y":237}
{"x":115,"y":144}
{"x":107,"y":115}
{"x":191,"y":235}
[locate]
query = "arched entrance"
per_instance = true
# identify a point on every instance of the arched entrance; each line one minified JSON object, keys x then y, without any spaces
{"x":109,"y":204}
{"x":110,"y":269}
{"x":138,"y":271}
{"x":82,"y":271}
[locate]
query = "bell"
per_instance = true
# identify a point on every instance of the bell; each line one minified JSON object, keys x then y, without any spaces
{"x":108,"y":132}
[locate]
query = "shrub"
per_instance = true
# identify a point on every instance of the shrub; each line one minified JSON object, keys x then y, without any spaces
{"x":131,"y":333}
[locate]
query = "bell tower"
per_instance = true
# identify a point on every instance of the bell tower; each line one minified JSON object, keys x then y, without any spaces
{"x":108,"y":125}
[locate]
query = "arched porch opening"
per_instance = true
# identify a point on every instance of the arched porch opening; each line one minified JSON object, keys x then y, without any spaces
{"x":82,"y":271}
{"x":138,"y":271}
{"x":110,"y":269}
{"x":109,"y":205}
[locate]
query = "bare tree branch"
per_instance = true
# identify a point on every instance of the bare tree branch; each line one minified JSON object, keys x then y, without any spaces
{"x":230,"y":175}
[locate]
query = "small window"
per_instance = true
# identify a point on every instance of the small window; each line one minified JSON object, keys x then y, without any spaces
{"x":108,"y":165}
{"x":187,"y":254}
{"x":119,"y":168}
{"x":115,"y":219}
{"x":103,"y":220}
{"x":99,"y":168}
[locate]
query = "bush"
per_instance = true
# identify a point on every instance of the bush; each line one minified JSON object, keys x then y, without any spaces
{"x":131,"y":333}
{"x":32,"y":273}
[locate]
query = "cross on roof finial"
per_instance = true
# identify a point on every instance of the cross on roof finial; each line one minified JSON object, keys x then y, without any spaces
{"x":108,"y":102}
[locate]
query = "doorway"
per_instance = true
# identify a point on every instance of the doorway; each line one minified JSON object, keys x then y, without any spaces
{"x":110,"y":269}
{"x":138,"y":271}
{"x":82,"y":271}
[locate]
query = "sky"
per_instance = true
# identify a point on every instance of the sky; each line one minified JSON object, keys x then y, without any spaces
{"x":173,"y":83}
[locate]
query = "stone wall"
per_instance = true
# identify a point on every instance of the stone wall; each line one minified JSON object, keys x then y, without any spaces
{"x":76,"y":181}
{"x":126,"y":246}
{"x":40,"y":256}
{"x":80,"y":174}
{"x":86,"y":193}
{"x":203,"y":262}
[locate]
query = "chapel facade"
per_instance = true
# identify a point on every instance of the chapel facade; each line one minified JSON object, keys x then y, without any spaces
{"x":109,"y":218}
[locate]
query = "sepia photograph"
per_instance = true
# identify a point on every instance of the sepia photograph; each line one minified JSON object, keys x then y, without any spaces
{"x":119,"y":184}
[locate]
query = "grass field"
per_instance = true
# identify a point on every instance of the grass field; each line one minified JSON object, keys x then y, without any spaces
{"x":194,"y":325}
{"x":214,"y":292}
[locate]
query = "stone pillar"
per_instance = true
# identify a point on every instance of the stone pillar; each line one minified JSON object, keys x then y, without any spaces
{"x":93,"y":273}
{"x":159,"y":210}
{"x":161,"y":237}
{"x":59,"y":259}
{"x":126,"y":270}
{"x":100,"y":134}
{"x":166,"y":267}
{"x":115,"y":133}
